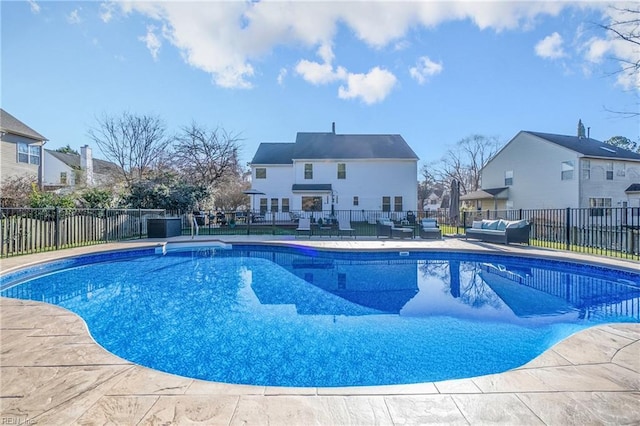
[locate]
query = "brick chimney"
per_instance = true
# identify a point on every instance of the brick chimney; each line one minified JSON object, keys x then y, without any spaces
{"x":86,"y":164}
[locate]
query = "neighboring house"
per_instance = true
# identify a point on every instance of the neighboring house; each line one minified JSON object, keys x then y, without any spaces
{"x":435,"y":201}
{"x":547,"y":171}
{"x":66,"y":170}
{"x":329,"y":171}
{"x":21,"y":149}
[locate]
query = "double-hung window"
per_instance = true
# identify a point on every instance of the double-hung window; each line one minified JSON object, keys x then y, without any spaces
{"x":508,"y":178}
{"x":397,"y":204}
{"x":609,"y":170}
{"x":261,"y":173}
{"x":586,"y":169}
{"x":29,"y":154}
{"x":567,"y":170}
{"x":386,"y":204}
{"x":308,"y":171}
{"x":342,"y":171}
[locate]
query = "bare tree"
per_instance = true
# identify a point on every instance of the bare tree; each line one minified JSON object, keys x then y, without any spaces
{"x":624,"y":27}
{"x":464,"y":161}
{"x":206,"y":156}
{"x":15,"y":190}
{"x":134,"y":142}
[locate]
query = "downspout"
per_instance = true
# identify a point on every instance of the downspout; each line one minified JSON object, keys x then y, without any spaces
{"x":41,"y":167}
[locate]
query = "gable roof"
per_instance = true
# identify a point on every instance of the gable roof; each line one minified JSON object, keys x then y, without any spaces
{"x":587,"y":146}
{"x":10,"y":124}
{"x":73,"y":161}
{"x":321,"y":146}
{"x":274,"y":153}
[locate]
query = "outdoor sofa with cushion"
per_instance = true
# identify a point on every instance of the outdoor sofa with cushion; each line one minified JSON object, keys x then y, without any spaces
{"x":500,"y":231}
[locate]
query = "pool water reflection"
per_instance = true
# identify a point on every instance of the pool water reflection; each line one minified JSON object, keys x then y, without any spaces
{"x":300,"y":317}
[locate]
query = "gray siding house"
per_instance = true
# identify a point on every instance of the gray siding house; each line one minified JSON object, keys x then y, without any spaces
{"x":21,"y":149}
{"x":548,"y":171}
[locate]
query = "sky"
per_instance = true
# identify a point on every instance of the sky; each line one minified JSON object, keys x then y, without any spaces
{"x":433,"y":72}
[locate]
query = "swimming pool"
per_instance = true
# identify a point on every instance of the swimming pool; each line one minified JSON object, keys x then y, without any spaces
{"x":285,"y":316}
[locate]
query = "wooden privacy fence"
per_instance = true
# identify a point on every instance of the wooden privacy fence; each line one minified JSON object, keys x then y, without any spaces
{"x":24,"y":230}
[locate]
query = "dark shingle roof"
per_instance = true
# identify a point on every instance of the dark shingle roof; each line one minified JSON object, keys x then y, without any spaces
{"x":274,"y":153}
{"x":10,"y":124}
{"x":588,"y":147}
{"x":313,"y":146}
{"x":333,"y":146}
{"x":634,"y":187}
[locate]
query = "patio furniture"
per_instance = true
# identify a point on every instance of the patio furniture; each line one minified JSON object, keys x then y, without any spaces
{"x":345,"y":226}
{"x":429,"y":229}
{"x":401,"y":232}
{"x":500,"y":231}
{"x":304,"y":225}
{"x":383,"y":228}
{"x":295,"y":217}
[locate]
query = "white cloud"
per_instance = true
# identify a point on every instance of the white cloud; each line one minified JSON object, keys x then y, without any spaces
{"x":550,"y":47}
{"x":106,"y":11}
{"x":281,"y":76}
{"x":372,"y":87}
{"x":424,"y":69}
{"x":35,"y":7}
{"x":321,"y":73}
{"x":227,"y":38}
{"x":74,"y":17}
{"x":610,"y":46}
{"x":152,"y":41}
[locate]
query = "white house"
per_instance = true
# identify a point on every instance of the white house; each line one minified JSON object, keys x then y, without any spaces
{"x":334,"y":172}
{"x":21,"y":149}
{"x":67,"y":170}
{"x":548,"y":171}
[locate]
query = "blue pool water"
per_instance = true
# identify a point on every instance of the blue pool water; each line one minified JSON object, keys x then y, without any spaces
{"x":284,"y":316}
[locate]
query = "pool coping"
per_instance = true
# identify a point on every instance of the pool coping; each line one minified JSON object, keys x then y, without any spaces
{"x":54,"y":373}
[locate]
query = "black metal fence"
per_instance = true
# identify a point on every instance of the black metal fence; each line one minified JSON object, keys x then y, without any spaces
{"x":613,"y":231}
{"x":602,"y":231}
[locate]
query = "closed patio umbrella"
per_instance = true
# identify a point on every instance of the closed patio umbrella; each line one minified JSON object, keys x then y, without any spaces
{"x":454,"y":203}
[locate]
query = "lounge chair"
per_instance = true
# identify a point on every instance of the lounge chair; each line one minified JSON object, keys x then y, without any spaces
{"x":345,"y":226}
{"x":304,"y":225}
{"x":383,"y":228}
{"x":295,"y":217}
{"x":430,"y":230}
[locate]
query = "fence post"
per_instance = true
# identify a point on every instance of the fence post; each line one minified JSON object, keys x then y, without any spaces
{"x":106,"y":224}
{"x":57,"y":228}
{"x":568,"y":228}
{"x":140,"y":223}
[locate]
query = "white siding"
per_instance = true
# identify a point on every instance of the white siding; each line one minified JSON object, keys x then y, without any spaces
{"x":53,"y":170}
{"x":369,"y":180}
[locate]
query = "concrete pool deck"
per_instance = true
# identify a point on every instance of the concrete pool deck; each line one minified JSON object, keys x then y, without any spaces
{"x":52,"y":372}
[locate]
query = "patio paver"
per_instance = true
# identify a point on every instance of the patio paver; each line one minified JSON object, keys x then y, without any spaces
{"x":52,"y":372}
